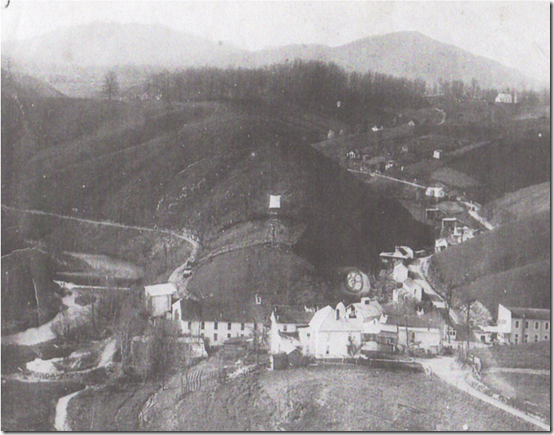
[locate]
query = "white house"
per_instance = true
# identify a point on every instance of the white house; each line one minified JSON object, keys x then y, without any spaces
{"x":366,"y":310}
{"x":400,"y":254}
{"x":158,"y":298}
{"x":400,"y":272}
{"x":419,"y":332}
{"x":289,"y":329}
{"x":437,"y":154}
{"x":523,"y":325}
{"x":333,"y":333}
{"x":506,"y":98}
{"x":410,"y":289}
{"x":435,"y":192}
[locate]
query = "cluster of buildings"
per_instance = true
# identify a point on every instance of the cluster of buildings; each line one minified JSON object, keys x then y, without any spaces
{"x":349,"y":331}
{"x":361,"y":328}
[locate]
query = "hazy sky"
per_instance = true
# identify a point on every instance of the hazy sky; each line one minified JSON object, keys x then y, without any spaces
{"x":514,"y":33}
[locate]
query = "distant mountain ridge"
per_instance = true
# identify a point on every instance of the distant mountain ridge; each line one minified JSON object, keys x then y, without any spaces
{"x":408,"y":54}
{"x":110,"y":44}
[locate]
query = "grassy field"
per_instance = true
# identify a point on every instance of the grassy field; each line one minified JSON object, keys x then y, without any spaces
{"x":333,"y":398}
{"x":521,"y":356}
{"x":155,"y":253}
{"x":30,"y":406}
{"x":109,"y":408}
{"x":520,"y":159}
{"x":509,"y":265}
{"x":530,"y":392}
{"x":522,"y":203}
{"x":526,"y":391}
{"x":277,"y":275}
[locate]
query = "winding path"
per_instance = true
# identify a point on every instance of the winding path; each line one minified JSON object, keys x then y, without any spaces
{"x":60,"y":422}
{"x":193,"y":242}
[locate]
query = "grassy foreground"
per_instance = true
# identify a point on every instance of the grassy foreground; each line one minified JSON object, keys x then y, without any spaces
{"x":337,"y":398}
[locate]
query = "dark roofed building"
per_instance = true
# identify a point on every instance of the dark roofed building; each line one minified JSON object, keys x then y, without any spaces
{"x":218,"y":322}
{"x":292,"y":315}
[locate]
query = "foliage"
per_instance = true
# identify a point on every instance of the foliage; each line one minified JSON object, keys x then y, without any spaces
{"x":352,"y":347}
{"x":314,"y":85}
{"x":163,"y":353}
{"x":110,"y":85}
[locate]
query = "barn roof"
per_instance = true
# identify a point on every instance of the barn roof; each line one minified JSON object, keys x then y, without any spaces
{"x":219,"y":312}
{"x":296,"y":315}
{"x":530,"y":313}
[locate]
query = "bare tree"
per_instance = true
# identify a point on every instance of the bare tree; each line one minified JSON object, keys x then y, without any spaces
{"x":352,"y":347}
{"x":163,"y":354}
{"x":110,"y":85}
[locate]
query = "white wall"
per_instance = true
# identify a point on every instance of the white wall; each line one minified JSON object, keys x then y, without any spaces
{"x":334,"y":344}
{"x":238,"y":329}
{"x":159,"y":305}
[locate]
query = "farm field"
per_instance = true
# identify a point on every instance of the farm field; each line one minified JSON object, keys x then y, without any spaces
{"x":335,"y":398}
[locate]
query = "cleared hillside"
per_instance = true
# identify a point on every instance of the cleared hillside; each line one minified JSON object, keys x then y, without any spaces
{"x":521,"y":203}
{"x":519,"y":159}
{"x":229,"y":282}
{"x":208,"y":168}
{"x":509,"y":265}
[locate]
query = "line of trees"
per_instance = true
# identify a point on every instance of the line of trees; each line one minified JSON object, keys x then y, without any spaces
{"x":315,"y":85}
{"x":460,"y":89}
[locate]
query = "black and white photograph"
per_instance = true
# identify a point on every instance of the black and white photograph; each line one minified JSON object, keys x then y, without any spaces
{"x":275,"y":216}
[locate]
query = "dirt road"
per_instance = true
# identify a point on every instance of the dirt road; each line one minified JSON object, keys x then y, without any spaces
{"x":195,"y":244}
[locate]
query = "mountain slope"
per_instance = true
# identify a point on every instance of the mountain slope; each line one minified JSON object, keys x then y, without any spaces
{"x":108,"y":44}
{"x":404,"y":54}
{"x":209,"y":168}
{"x":412,"y":54}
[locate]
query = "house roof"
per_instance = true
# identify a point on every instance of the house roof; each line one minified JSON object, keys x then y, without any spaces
{"x":160,"y":289}
{"x":295,"y":315}
{"x":215,"y":312}
{"x":411,"y":284}
{"x":450,"y":207}
{"x":377,"y":160}
{"x":530,"y":313}
{"x":325,"y":320}
{"x":415,"y":321}
{"x":367,"y":311}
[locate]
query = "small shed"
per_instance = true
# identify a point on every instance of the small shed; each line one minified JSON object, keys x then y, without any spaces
{"x":279,"y":361}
